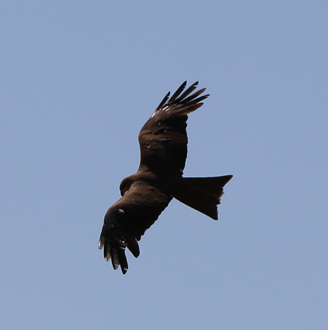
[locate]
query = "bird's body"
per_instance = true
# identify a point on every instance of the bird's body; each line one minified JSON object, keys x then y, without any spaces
{"x":145,"y":194}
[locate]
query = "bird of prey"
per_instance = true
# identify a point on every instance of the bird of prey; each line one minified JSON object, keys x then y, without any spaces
{"x":145,"y":194}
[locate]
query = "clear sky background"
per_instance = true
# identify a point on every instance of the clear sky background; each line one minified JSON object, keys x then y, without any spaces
{"x":78,"y":81}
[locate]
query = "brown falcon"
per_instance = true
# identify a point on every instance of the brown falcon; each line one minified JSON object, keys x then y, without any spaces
{"x":145,"y":194}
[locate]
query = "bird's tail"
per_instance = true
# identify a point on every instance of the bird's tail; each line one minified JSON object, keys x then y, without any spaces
{"x":202,"y":194}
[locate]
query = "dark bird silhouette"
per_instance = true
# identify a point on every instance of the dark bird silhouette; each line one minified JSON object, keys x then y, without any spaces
{"x":145,"y":194}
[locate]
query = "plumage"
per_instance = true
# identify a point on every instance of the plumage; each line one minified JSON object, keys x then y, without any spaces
{"x":145,"y":194}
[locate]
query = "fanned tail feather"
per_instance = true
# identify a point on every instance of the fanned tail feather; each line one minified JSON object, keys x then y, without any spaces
{"x":202,"y":194}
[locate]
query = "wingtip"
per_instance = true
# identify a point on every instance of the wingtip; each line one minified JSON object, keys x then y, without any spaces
{"x":166,"y":97}
{"x":133,"y":246}
{"x":100,"y":244}
{"x":115,"y":266}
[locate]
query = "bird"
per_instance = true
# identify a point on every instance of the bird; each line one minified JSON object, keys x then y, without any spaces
{"x":144,"y":195}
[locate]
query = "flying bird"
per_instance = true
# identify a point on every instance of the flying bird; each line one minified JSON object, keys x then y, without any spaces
{"x":145,"y":194}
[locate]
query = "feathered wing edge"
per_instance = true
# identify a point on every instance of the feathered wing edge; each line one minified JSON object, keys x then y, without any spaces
{"x":114,"y":241}
{"x":181,"y":102}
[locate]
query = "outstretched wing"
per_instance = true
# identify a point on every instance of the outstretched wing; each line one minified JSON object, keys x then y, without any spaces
{"x":163,"y":139}
{"x":128,"y":219}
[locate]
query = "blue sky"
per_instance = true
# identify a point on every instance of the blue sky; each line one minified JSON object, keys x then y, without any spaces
{"x":78,"y":81}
